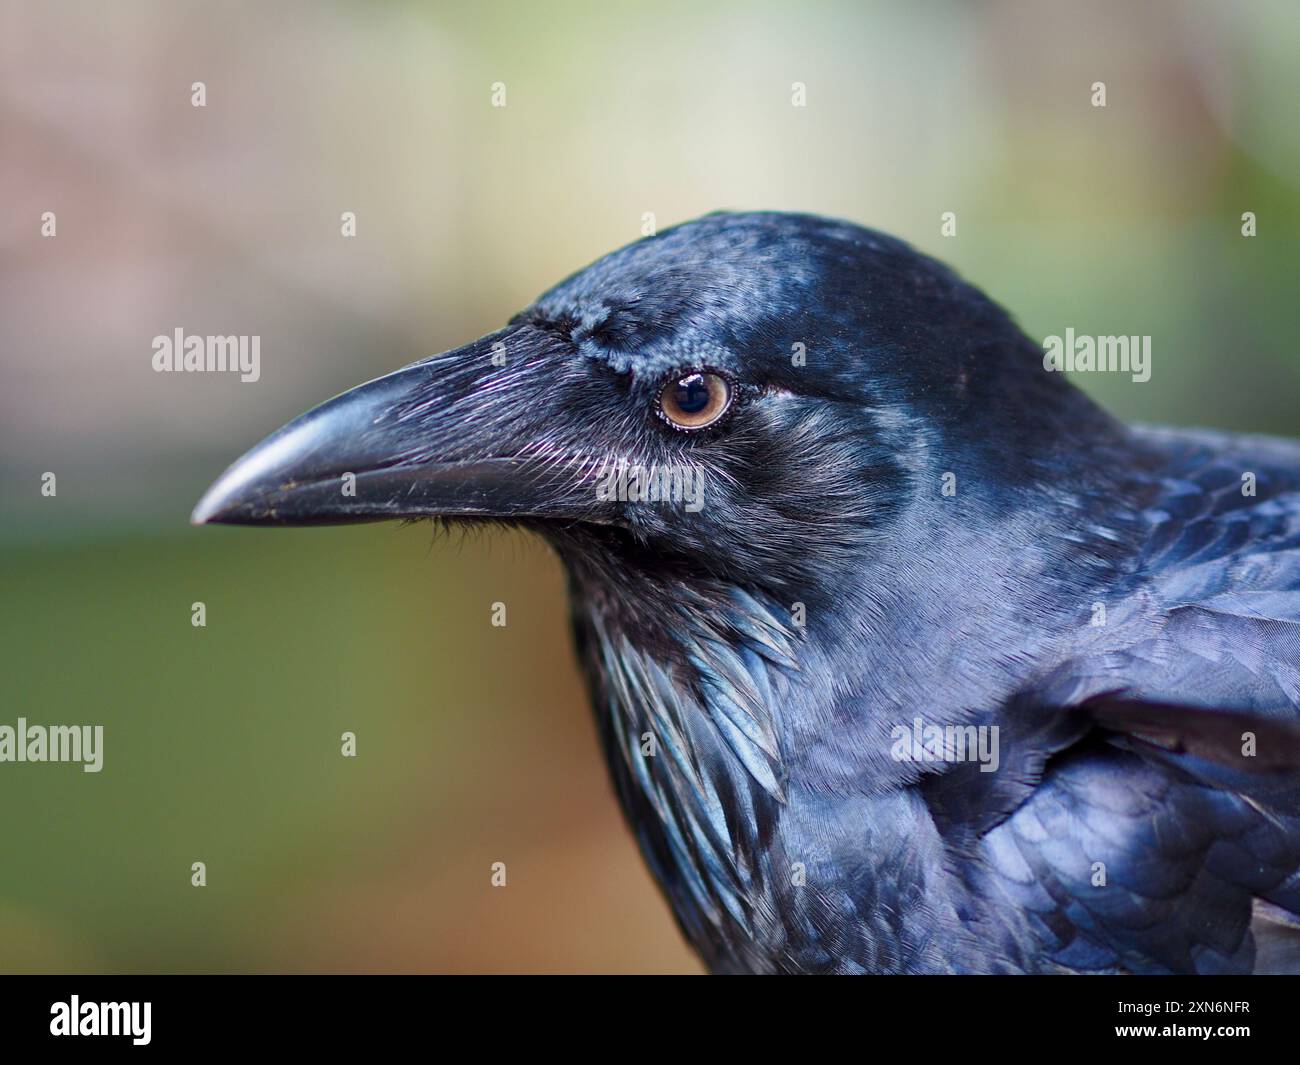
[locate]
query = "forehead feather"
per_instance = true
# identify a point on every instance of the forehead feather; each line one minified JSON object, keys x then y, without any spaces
{"x":686,"y":296}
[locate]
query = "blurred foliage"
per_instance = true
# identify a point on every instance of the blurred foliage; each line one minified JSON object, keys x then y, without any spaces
{"x":222,"y":745}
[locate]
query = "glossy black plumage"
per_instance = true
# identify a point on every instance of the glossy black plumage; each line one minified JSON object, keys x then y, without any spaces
{"x":830,"y":591}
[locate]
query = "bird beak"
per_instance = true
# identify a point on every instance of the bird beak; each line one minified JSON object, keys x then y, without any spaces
{"x":448,"y":436}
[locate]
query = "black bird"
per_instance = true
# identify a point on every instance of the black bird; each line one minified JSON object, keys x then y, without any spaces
{"x":915,"y":660}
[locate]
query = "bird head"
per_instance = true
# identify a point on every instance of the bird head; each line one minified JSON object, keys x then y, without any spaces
{"x":752,"y":398}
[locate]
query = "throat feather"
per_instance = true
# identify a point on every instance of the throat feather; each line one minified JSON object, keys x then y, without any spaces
{"x":693,"y":736}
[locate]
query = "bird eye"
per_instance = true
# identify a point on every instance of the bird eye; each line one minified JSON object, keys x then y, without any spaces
{"x":695,"y":400}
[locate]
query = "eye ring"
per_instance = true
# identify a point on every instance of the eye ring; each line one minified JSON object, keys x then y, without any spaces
{"x":691,"y":400}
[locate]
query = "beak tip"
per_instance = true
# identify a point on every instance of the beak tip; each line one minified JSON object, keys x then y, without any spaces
{"x":214,"y":506}
{"x":203,"y":513}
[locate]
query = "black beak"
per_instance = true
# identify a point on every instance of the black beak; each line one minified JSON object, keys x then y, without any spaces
{"x":459,"y":434}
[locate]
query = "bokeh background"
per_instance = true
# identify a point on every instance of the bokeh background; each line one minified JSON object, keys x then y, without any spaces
{"x":475,"y":744}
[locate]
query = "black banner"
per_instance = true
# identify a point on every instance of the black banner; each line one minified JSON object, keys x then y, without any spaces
{"x":150,"y":1013}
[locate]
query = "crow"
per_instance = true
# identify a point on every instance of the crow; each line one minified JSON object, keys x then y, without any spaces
{"x":947,"y":671}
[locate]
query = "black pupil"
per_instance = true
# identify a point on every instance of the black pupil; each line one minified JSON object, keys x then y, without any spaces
{"x":691,"y":394}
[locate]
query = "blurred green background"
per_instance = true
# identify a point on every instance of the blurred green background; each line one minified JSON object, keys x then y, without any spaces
{"x":474,"y":743}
